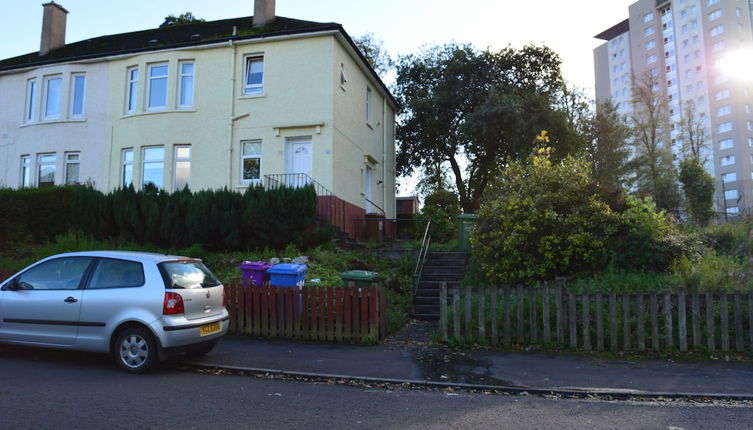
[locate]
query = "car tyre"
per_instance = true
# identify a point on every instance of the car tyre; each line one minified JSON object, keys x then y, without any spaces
{"x":135,"y":350}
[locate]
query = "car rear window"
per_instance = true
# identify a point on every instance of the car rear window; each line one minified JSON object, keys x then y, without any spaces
{"x":114,"y":273}
{"x":186,"y":274}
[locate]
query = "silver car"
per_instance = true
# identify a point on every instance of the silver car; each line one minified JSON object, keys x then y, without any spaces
{"x":139,"y":307}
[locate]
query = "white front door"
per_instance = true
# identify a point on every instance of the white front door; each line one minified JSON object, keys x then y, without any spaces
{"x":298,"y":164}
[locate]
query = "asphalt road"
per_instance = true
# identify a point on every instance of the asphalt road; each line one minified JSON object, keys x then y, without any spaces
{"x":52,"y":389}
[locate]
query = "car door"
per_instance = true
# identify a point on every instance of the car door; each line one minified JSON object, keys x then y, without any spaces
{"x":42,"y":304}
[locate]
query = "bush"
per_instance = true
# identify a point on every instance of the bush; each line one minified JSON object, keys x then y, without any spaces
{"x":442,"y":207}
{"x":37,"y":214}
{"x":543,"y":220}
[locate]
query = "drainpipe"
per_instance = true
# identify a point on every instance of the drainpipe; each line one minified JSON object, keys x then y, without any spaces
{"x":384,"y":153}
{"x":231,"y":120}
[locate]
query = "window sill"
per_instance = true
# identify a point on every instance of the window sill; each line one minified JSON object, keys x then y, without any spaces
{"x":157,"y":112}
{"x":252,"y":96}
{"x":54,"y":121}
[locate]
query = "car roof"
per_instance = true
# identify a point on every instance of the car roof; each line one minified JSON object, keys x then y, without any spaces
{"x":127,"y":255}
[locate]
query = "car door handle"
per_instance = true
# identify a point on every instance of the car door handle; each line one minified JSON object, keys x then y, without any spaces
{"x":71,"y":300}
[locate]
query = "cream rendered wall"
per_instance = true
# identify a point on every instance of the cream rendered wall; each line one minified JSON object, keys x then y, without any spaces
{"x":205,"y":126}
{"x":296,"y":102}
{"x":85,"y":135}
{"x":359,"y":141}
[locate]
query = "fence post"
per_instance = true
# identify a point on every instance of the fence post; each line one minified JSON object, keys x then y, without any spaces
{"x":724,"y":316}
{"x":654,"y":322}
{"x":599,"y":323}
{"x":613,"y":345}
{"x":443,"y":310}
{"x":508,"y":324}
{"x":711,"y":341}
{"x":456,"y":312}
{"x":545,"y":316}
{"x":696,"y":310}
{"x":668,"y":321}
{"x":586,"y":302}
{"x":558,"y":312}
{"x":532,"y":315}
{"x":682,"y":320}
{"x":495,"y":315}
{"x":738,"y":322}
{"x":519,"y":313}
{"x":572,"y":312}
{"x":626,"y":321}
{"x":481,"y":302}
{"x":750,"y":319}
{"x":641,"y":323}
{"x":468,"y":312}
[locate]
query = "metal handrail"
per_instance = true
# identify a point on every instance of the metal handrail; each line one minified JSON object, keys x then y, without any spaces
{"x":296,"y":180}
{"x":384,"y":214}
{"x":421,"y":257}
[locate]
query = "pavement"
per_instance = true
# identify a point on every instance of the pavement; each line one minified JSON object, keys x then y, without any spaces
{"x":411,"y":357}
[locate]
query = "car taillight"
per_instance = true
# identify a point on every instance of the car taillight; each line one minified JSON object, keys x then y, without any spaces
{"x":224,"y":298}
{"x":173,"y":304}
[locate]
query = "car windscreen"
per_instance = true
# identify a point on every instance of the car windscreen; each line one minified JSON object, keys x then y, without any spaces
{"x":186,"y":274}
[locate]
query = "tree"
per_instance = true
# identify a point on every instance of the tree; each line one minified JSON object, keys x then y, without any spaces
{"x":473,"y":112}
{"x":184,"y":18}
{"x":607,"y":148}
{"x":652,"y":164}
{"x":698,"y":187}
{"x":692,"y":133}
{"x":441,"y":207}
{"x":373,"y":49}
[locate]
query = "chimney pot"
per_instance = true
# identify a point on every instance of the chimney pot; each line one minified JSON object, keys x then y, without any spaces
{"x":264,"y":12}
{"x":53,"y":27}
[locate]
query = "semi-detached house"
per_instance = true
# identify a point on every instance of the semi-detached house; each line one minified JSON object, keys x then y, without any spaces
{"x":256,"y":100}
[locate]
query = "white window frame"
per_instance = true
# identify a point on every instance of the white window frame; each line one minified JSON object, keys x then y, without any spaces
{"x":715,"y":31}
{"x":152,"y":79}
{"x":74,"y":96}
{"x":651,"y":59}
{"x":715,"y":15}
{"x":26,"y":171}
{"x":258,"y":88}
{"x":255,"y":156}
{"x":733,"y":210}
{"x":125,"y":163}
{"x":727,"y":160}
{"x":726,"y":143}
{"x":41,"y":164}
{"x":730,"y":194}
{"x":32,"y":100}
{"x":51,"y":103}
{"x":729,"y":177}
{"x":177,"y":159}
{"x":185,"y":89}
{"x":725,"y":127}
{"x":145,"y":161}
{"x":132,"y":90}
{"x":723,"y":110}
{"x":651,"y":44}
{"x":70,"y":159}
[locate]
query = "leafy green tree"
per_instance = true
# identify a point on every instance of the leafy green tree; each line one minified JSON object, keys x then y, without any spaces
{"x":442,"y":208}
{"x":543,"y":219}
{"x":373,"y":50}
{"x":473,"y":112}
{"x":184,"y":18}
{"x":698,"y":187}
{"x":607,"y":146}
{"x":654,"y":173}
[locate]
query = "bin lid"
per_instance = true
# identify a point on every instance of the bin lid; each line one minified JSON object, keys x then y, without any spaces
{"x":359,"y":275}
{"x":468,"y":216}
{"x":287,"y":269}
{"x":254,"y":265}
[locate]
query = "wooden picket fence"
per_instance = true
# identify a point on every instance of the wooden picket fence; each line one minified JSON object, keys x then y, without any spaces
{"x":552,"y":316}
{"x":333,"y":314}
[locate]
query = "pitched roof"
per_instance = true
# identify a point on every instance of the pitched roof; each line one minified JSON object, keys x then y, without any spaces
{"x":174,"y":36}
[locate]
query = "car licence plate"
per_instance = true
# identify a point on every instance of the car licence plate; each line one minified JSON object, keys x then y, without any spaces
{"x":209,"y":328}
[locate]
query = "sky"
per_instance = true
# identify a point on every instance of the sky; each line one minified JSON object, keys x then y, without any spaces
{"x":404,"y":26}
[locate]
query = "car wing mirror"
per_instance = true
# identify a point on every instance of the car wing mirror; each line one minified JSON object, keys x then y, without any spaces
{"x":12,"y":285}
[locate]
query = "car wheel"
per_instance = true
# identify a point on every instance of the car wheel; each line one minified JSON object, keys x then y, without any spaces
{"x":200,"y":352}
{"x":135,"y":350}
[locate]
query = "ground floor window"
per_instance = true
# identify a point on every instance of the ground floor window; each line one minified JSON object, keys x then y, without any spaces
{"x":182,"y":170}
{"x":127,"y":176}
{"x":72,"y":164}
{"x":26,"y":171}
{"x":251,"y":160}
{"x":153,"y":167}
{"x":47,"y":165}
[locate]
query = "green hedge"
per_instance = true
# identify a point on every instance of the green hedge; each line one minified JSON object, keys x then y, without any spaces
{"x":216,"y":219}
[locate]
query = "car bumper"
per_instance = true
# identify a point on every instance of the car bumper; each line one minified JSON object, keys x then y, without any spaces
{"x":176,"y":333}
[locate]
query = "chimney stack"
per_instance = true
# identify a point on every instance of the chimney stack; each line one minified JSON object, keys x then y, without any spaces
{"x":53,"y":27}
{"x":264,"y":12}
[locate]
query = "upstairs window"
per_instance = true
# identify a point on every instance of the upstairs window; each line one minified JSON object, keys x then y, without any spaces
{"x":157,"y":86}
{"x":719,"y":29}
{"x":729,"y":177}
{"x":254,"y":83}
{"x":52,"y":97}
{"x":31,"y":100}
{"x":715,"y":15}
{"x":78,"y":85}
{"x":133,"y":88}
{"x":368,"y":104}
{"x":726,"y":143}
{"x":186,"y":84}
{"x":728,"y":160}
